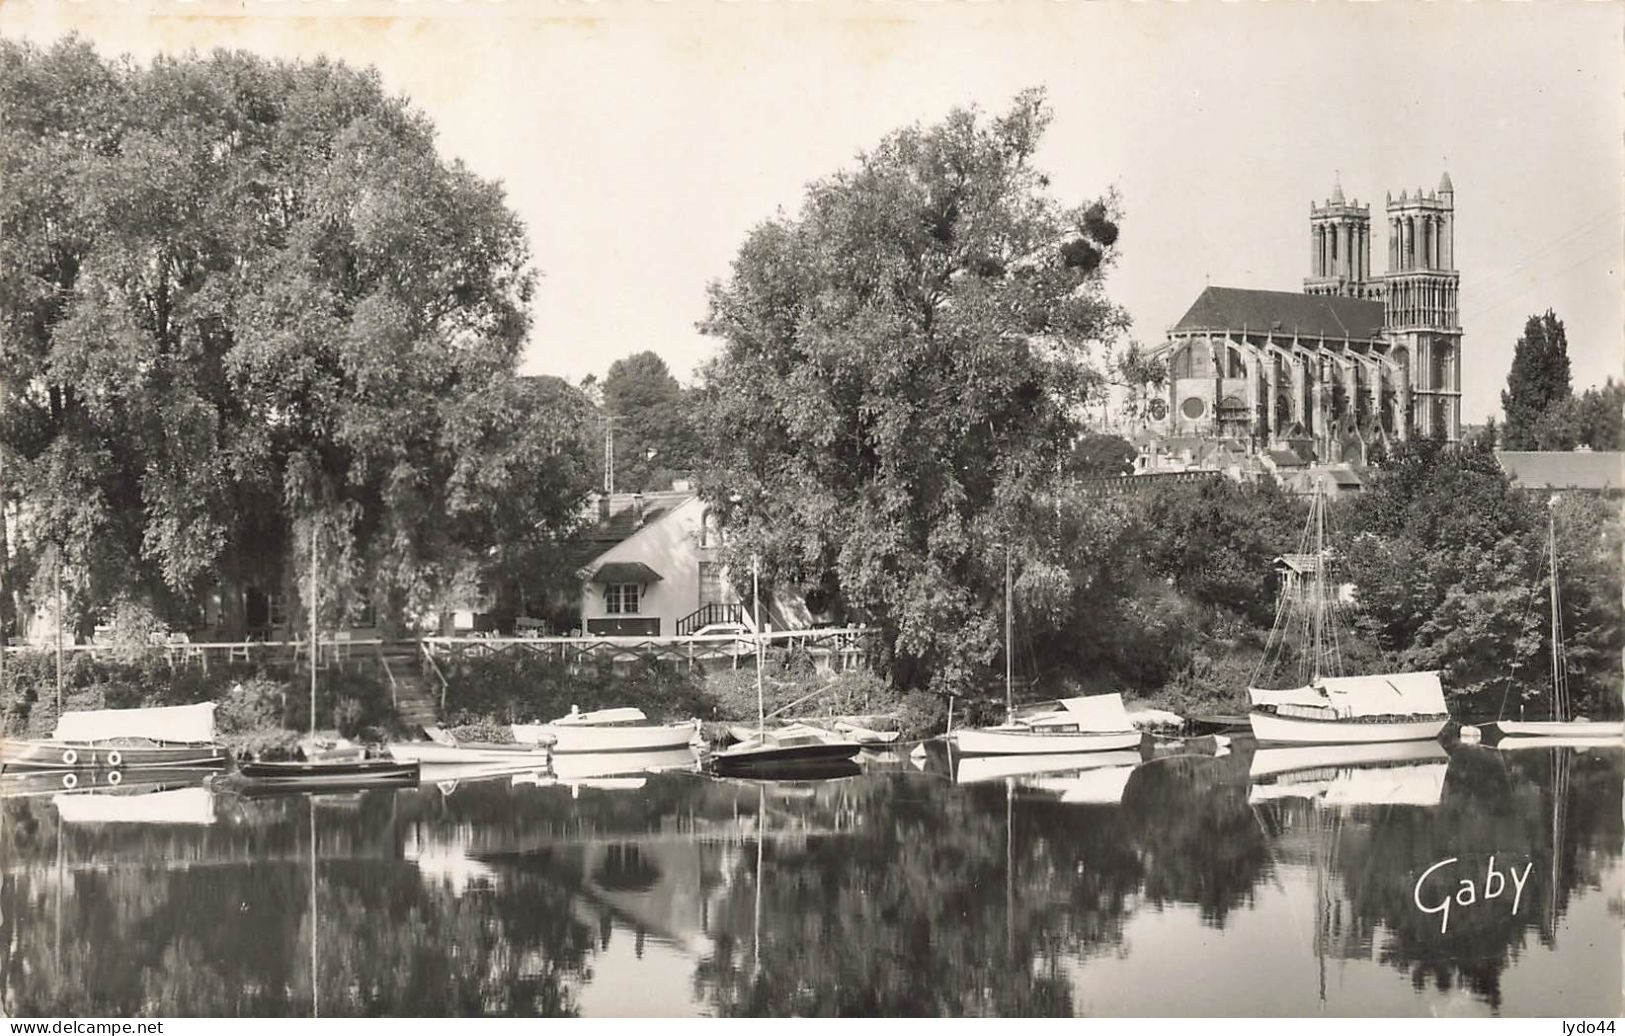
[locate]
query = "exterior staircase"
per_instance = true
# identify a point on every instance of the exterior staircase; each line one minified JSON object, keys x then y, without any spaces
{"x":413,"y":691}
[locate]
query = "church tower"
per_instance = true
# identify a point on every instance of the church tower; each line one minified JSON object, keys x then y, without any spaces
{"x":1340,"y":249}
{"x":1419,"y":317}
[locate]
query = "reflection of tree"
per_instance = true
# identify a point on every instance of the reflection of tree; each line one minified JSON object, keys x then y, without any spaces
{"x":1499,"y":804}
{"x":915,"y":918}
{"x":1197,"y":838}
{"x":233,"y":937}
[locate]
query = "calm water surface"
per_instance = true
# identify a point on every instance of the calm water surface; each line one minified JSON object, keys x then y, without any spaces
{"x":1256,"y":883}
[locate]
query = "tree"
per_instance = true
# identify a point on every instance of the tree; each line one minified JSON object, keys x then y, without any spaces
{"x":1101,"y":456}
{"x":655,"y":436}
{"x":241,"y":299}
{"x":901,"y":362}
{"x":1539,"y":379}
{"x":1602,"y":416}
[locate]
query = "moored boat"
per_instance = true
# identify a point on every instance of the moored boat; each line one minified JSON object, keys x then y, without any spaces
{"x":439,"y":753}
{"x":1095,"y":723}
{"x":112,"y":739}
{"x":1562,"y":725}
{"x":1333,"y":708}
{"x":799,"y":747}
{"x":325,"y":774}
{"x":607,"y":730}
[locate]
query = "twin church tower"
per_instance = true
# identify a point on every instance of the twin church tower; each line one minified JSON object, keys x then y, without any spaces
{"x":1358,"y":357}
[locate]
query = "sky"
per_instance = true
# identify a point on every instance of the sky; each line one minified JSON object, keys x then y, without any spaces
{"x":641,"y":140}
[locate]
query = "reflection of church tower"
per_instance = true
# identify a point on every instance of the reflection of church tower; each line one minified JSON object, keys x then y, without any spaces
{"x":1340,"y":248}
{"x":1420,"y":318}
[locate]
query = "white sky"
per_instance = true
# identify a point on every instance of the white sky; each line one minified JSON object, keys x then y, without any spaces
{"x":641,"y":139}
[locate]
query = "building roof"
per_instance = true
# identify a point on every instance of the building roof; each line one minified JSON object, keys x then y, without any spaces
{"x":613,"y":518}
{"x":1283,"y":312}
{"x":625,"y":572}
{"x":1600,"y":471}
{"x":1285,"y":458}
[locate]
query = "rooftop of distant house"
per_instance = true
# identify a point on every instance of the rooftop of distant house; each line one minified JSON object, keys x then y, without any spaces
{"x":612,"y":517}
{"x":1284,"y":313}
{"x":1590,"y":471}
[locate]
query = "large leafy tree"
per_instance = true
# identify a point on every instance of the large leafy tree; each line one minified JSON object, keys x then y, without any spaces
{"x":1450,"y":565}
{"x":1538,"y":380}
{"x":655,"y":436}
{"x":902,"y":364}
{"x":241,"y":299}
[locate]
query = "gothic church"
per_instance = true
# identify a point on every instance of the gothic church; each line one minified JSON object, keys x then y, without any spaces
{"x":1354,"y":360}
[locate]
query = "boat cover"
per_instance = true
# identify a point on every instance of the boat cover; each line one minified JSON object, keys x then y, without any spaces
{"x":1098,"y":712}
{"x":1387,"y":694}
{"x":175,"y":806}
{"x":189,"y":724}
{"x":1380,"y":694}
{"x":582,"y":719}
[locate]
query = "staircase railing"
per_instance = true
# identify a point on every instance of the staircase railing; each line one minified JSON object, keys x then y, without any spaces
{"x":706,"y":614}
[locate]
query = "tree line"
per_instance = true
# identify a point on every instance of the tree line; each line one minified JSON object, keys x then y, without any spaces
{"x":248,"y":310}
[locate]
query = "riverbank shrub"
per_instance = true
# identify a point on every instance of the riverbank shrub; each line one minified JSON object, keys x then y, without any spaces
{"x":531,"y":688}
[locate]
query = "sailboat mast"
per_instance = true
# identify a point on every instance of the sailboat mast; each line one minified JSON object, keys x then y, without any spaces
{"x":314,"y":647}
{"x":756,"y":609}
{"x":1559,"y":705}
{"x":1009,"y":638}
{"x":1320,"y":577}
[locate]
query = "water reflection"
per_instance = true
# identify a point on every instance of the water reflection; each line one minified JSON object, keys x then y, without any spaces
{"x":1269,"y":882}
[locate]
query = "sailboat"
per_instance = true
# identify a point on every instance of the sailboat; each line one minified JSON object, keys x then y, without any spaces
{"x":329,"y":771}
{"x":798,"y":747}
{"x":1332,"y":708}
{"x":1578,"y":731}
{"x":1094,"y":723}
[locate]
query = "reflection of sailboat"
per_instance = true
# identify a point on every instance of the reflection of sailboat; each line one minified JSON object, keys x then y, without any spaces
{"x":1093,"y":777}
{"x":1575,"y":731}
{"x":1330,"y":707}
{"x":1398,"y":774}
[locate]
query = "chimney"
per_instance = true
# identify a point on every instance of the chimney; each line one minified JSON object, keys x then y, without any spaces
{"x":637,"y":508}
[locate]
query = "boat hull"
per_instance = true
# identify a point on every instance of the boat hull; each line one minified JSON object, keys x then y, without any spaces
{"x":629,"y":738}
{"x":326,"y":776}
{"x":998,"y":741}
{"x":758,"y":759}
{"x":1598,"y":732}
{"x":1270,"y":727}
{"x":90,"y":755}
{"x":528,"y":756}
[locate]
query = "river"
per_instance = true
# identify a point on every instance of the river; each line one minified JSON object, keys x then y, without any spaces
{"x":1253,"y":883}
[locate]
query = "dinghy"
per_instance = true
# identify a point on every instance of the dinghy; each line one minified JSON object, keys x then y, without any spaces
{"x":325,"y":774}
{"x":112,"y":739}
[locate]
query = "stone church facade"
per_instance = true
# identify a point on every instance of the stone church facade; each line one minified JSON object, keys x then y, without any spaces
{"x":1354,"y":360}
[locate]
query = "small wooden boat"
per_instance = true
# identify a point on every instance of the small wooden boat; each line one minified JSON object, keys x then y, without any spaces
{"x":326,"y":774}
{"x":441,"y":748}
{"x":113,"y":739}
{"x":607,"y":730}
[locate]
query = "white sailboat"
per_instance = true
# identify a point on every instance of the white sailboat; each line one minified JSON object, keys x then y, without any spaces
{"x":1578,"y":731}
{"x":1094,"y":723}
{"x":1331,"y":708}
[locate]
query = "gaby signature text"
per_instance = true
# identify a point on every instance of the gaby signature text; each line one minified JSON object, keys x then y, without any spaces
{"x":1433,"y":894}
